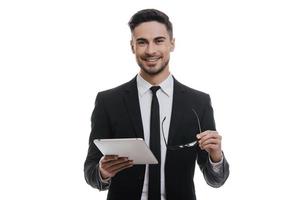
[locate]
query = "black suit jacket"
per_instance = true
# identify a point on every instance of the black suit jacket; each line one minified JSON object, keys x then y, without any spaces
{"x":117,"y":115}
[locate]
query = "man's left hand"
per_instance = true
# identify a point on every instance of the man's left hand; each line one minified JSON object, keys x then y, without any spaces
{"x":210,"y":141}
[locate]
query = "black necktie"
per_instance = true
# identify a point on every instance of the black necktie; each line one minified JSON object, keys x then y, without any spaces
{"x":154,"y":170}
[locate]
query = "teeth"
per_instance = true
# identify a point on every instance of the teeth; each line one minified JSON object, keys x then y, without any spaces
{"x":152,"y":59}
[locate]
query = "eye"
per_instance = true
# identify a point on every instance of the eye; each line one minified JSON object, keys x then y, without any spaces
{"x":141,"y":42}
{"x":160,"y":41}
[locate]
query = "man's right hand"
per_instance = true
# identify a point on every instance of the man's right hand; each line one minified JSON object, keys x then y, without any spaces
{"x":110,"y":165}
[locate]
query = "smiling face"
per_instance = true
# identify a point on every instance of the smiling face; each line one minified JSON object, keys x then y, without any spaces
{"x":151,"y":44}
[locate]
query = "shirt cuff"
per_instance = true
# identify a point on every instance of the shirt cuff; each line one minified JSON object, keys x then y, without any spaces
{"x":216,"y":166}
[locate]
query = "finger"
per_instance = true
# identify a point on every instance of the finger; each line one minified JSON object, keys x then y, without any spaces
{"x":200,"y":135}
{"x":210,"y":147}
{"x":110,"y":171}
{"x":108,"y":158}
{"x":108,"y":164}
{"x":210,"y":141}
{"x":210,"y":135}
{"x":216,"y":140}
{"x":130,"y":164}
{"x":203,"y":142}
{"x":205,"y":134}
{"x":114,"y":163}
{"x":120,"y":166}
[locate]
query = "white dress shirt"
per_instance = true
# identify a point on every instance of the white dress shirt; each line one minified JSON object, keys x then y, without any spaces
{"x":165,"y":99}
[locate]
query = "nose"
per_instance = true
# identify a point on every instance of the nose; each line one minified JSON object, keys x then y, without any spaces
{"x":151,"y":49}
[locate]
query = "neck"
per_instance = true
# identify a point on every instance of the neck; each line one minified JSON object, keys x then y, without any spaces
{"x":157,"y":78}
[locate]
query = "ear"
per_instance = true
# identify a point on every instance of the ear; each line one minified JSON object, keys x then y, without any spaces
{"x":132,"y":47}
{"x":172,"y":44}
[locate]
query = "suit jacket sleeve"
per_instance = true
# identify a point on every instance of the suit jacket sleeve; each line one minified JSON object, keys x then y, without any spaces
{"x":100,"y":129}
{"x":211,"y":177}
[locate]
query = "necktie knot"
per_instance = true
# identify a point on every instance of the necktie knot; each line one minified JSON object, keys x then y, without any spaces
{"x":154,"y":89}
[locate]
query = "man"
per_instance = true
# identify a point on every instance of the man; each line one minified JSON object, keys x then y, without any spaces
{"x":167,"y":114}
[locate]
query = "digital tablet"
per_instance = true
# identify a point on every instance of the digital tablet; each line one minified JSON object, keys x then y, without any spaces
{"x":134,"y":148}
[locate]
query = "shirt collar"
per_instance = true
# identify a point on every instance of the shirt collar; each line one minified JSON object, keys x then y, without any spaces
{"x":166,"y":86}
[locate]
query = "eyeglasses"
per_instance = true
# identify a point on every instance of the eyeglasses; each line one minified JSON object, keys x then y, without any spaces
{"x":177,"y":147}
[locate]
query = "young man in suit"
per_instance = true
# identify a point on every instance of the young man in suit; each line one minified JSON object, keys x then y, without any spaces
{"x":166,"y":113}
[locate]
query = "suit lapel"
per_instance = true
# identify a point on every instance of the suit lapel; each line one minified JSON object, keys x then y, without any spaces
{"x":177,"y":110}
{"x":133,"y":107}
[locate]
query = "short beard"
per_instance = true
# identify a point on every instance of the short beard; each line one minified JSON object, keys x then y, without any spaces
{"x":153,"y":73}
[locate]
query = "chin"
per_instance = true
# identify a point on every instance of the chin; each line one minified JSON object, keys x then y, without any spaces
{"x":152,"y":71}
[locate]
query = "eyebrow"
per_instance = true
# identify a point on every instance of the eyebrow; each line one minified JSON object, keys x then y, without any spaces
{"x":157,"y":38}
{"x":141,"y":39}
{"x":160,"y":37}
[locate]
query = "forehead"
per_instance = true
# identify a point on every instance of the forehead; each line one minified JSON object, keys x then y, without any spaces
{"x":150,"y":30}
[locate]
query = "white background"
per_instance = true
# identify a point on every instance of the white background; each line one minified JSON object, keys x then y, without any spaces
{"x":56,"y":55}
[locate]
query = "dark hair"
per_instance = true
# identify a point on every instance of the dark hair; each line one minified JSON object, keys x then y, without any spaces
{"x":148,"y":15}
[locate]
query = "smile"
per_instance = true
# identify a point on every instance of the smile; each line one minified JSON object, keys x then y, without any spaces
{"x":152,"y":59}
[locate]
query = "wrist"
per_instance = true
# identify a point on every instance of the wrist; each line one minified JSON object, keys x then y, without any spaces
{"x":216,"y":157}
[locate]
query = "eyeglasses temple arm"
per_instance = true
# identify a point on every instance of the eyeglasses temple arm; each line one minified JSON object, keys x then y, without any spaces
{"x":197,"y":120}
{"x":163,"y":132}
